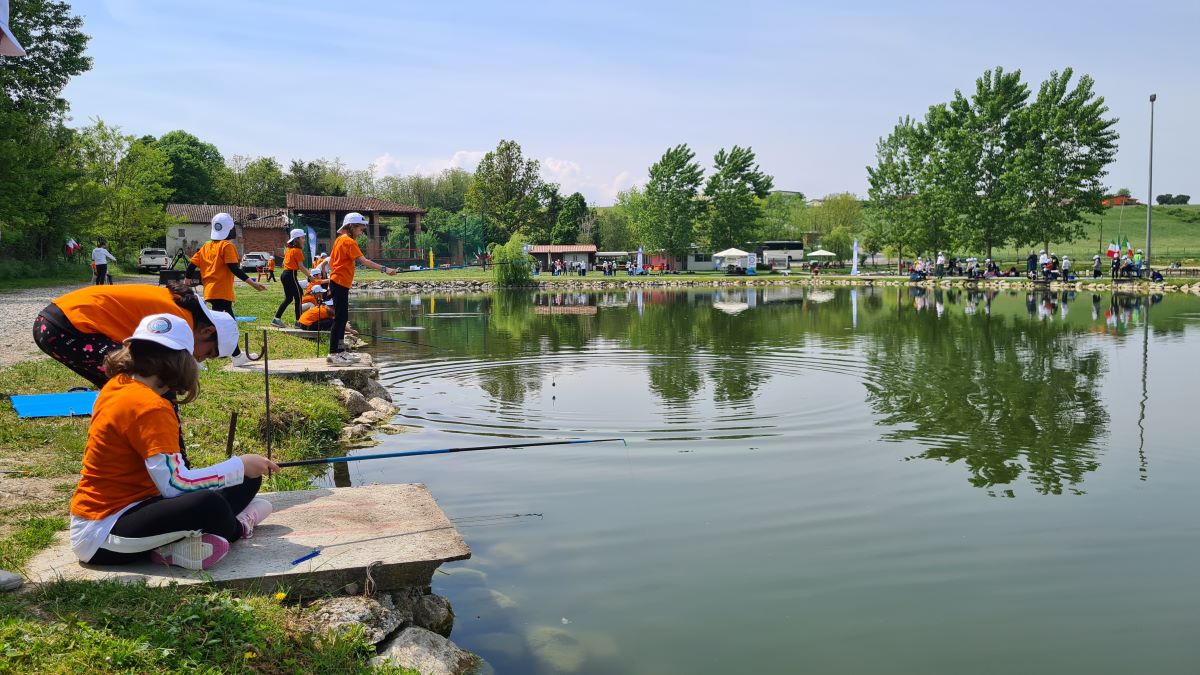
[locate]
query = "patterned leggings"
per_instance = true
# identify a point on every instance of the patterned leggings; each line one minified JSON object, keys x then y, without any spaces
{"x":81,"y":352}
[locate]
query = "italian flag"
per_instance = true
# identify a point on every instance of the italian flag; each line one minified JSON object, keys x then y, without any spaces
{"x":1113,"y":249}
{"x":1127,"y":247}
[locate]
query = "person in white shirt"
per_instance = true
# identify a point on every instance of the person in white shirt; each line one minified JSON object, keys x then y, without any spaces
{"x":100,"y":258}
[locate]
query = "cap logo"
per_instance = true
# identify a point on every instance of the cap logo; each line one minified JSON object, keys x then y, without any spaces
{"x":159,"y":326}
{"x":218,"y":226}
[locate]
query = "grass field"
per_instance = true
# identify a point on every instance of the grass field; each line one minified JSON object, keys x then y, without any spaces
{"x":1175,"y":235}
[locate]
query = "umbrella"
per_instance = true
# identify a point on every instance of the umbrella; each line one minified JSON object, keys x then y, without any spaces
{"x":823,"y":253}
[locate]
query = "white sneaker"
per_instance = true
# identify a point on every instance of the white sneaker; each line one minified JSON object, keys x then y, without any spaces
{"x":193,"y":553}
{"x":240,"y":359}
{"x":340,"y":359}
{"x":278,"y":323}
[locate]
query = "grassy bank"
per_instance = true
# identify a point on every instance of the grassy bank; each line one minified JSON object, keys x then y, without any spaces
{"x":112,"y":627}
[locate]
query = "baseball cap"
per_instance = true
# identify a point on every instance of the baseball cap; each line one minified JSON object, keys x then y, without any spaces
{"x":222,"y":223}
{"x":318,"y":289}
{"x":167,"y":330}
{"x":295,"y":234}
{"x":352,"y":218}
{"x":8,"y":42}
{"x":227,"y":330}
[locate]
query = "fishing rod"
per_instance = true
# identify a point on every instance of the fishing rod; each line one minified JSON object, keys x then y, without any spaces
{"x":443,"y":451}
{"x":395,"y":339}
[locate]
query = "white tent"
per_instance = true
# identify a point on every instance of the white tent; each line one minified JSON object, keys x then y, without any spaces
{"x":822,"y":253}
{"x":731,"y":253}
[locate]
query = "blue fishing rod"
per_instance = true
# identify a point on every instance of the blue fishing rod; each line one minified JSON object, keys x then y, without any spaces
{"x":442,"y":451}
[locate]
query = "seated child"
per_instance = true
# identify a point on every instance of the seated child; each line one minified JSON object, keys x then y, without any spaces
{"x":137,"y":498}
{"x":319,"y":317}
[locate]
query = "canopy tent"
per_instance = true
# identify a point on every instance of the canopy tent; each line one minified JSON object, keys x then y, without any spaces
{"x":822,"y":253}
{"x":731,"y":253}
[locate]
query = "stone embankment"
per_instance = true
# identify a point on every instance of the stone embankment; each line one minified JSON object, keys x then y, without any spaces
{"x":684,"y":281}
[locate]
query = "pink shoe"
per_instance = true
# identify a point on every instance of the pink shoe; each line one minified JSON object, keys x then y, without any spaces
{"x":193,"y":553}
{"x":255,"y":512}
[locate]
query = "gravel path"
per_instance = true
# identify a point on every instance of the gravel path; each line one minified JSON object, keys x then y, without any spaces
{"x":21,"y":308}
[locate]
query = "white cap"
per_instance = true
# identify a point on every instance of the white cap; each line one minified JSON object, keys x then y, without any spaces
{"x":318,"y":289}
{"x":295,"y":234}
{"x":227,"y":329}
{"x":8,"y":42}
{"x":167,"y":330}
{"x":222,"y":223}
{"x":352,"y":218}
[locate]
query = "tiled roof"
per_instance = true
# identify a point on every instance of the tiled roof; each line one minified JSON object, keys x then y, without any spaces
{"x":563,"y":248}
{"x":246,"y":216}
{"x":361,"y":204}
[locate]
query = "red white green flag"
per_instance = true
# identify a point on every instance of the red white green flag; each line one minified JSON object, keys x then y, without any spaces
{"x":1113,"y":249}
{"x":1127,"y":247}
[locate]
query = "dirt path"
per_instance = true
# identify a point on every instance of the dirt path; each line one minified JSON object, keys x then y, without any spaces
{"x":21,"y":307}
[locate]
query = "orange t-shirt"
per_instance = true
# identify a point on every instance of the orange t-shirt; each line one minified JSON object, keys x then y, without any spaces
{"x":130,"y":424}
{"x":271,"y":263}
{"x":213,"y":259}
{"x":341,"y":260}
{"x":314,"y":314}
{"x":292,"y":258}
{"x":115,"y":311}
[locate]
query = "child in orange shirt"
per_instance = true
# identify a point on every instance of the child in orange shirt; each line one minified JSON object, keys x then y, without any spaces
{"x":293,"y":262}
{"x":137,"y":498}
{"x":342,"y":258}
{"x":218,"y":263}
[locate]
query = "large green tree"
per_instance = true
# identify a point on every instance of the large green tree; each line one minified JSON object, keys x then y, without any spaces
{"x":130,"y":179}
{"x":194,"y":167}
{"x":1060,"y":166}
{"x":505,"y":189}
{"x":566,"y":226}
{"x":667,"y":219}
{"x":316,"y":177}
{"x":249,"y":181}
{"x":731,"y":190}
{"x":901,"y":219}
{"x":615,"y":223}
{"x":784,"y":216}
{"x":54,"y":46}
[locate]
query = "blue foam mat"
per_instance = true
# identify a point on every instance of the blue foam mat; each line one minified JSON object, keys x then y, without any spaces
{"x":55,"y":405}
{"x":247,"y":318}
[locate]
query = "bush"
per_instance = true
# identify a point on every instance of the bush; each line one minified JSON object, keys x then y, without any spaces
{"x":513,"y":266}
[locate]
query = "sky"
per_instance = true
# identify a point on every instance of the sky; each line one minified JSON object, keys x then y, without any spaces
{"x":597,"y":91}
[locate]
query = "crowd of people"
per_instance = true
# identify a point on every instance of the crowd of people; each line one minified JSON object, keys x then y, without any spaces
{"x":1042,"y":266}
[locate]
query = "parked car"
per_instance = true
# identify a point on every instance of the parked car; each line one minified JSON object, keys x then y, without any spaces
{"x":152,"y":260}
{"x":252,"y":261}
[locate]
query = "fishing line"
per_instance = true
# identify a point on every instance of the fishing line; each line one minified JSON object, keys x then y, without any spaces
{"x":441,"y":451}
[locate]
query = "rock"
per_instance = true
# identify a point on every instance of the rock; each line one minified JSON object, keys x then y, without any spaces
{"x":11,"y":582}
{"x":371,"y":418}
{"x":426,"y":652}
{"x":377,"y":615}
{"x":352,"y":431}
{"x":555,"y":647}
{"x":353,"y":402}
{"x":433,"y":612}
{"x":382,"y":406}
{"x":391,"y":429}
{"x":375,"y":390}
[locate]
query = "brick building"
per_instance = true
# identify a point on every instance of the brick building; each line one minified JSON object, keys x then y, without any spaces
{"x":260,"y":228}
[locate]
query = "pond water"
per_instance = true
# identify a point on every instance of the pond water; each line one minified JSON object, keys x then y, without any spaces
{"x":886,"y":480}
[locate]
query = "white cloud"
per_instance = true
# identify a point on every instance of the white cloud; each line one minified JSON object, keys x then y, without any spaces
{"x":571,"y":178}
{"x":390,"y":165}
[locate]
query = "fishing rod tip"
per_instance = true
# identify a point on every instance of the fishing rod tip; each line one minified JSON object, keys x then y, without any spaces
{"x":625,"y":442}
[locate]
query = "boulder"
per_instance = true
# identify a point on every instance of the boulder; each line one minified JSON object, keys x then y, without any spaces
{"x":377,"y":615}
{"x":353,"y":402}
{"x":352,"y":431}
{"x":11,"y":582}
{"x":433,"y":612}
{"x":373,"y":389}
{"x":426,"y":652}
{"x":382,"y":406}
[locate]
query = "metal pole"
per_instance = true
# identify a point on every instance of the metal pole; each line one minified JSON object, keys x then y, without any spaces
{"x":266,"y":356}
{"x":1150,"y":187}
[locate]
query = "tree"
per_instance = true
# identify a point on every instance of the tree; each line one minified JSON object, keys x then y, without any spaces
{"x":1124,"y":192}
{"x":542,"y":228}
{"x":666,"y":216}
{"x":252,"y":182}
{"x":40,"y":200}
{"x":783,"y":217}
{"x":901,"y":218}
{"x":589,"y":229}
{"x":194,"y":167}
{"x":512,"y":265}
{"x":54,"y":46}
{"x":1182,"y":199}
{"x":566,"y":226}
{"x":316,"y":177}
{"x":505,"y":190}
{"x":1165,"y":199}
{"x":1067,"y":145}
{"x":131,"y":182}
{"x":615,"y":224}
{"x":731,"y":191}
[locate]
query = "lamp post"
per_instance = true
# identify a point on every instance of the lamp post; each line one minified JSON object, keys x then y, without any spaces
{"x":1150,"y":187}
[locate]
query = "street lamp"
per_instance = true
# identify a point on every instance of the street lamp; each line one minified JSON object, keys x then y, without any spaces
{"x":1150,"y":188}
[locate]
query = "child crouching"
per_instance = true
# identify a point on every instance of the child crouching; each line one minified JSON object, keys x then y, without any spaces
{"x":137,"y":498}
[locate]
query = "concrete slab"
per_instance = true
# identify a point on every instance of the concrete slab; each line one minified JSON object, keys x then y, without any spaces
{"x":352,"y":341}
{"x":395,"y":534}
{"x":315,"y":370}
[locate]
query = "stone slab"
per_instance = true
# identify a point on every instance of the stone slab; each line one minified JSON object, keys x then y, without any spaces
{"x":315,"y":370}
{"x":397,"y":532}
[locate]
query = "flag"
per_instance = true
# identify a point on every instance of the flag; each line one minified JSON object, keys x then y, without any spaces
{"x":72,"y":246}
{"x":1113,"y":249}
{"x":1128,"y":249}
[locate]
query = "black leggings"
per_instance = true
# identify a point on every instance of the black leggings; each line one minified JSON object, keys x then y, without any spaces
{"x":211,"y":511}
{"x":82,"y":352}
{"x":341,"y":314}
{"x":101,"y":274}
{"x":226,"y":306}
{"x":291,"y":293}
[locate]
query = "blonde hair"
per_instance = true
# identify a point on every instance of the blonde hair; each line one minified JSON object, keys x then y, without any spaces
{"x":175,"y":368}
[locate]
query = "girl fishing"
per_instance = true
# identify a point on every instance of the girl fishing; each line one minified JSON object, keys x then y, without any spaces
{"x":82,"y":327}
{"x":137,"y":498}
{"x":293,"y":258}
{"x":342,"y":258}
{"x":218,"y":264}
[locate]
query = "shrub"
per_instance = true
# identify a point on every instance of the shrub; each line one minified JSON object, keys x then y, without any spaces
{"x":513,"y":266}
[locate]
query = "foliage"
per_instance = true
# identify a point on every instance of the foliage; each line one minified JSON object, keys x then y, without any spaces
{"x":129,"y":179}
{"x":615,"y":224}
{"x":316,"y":177}
{"x":1124,"y":192}
{"x":566,"y":226}
{"x":784,"y":217}
{"x":194,"y":167}
{"x":246,"y":181}
{"x":551,"y":202}
{"x":1173,"y":199}
{"x":54,"y":46}
{"x":902,"y":217}
{"x":665,"y":218}
{"x":505,"y":189}
{"x":842,"y":210}
{"x":513,"y":266}
{"x":589,"y":229}
{"x":446,"y":190}
{"x":427,"y":241}
{"x":731,"y":190}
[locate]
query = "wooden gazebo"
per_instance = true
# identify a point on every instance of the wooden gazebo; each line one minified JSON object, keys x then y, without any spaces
{"x":307,"y":209}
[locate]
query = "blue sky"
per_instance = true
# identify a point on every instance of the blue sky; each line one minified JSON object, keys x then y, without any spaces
{"x":597,"y":91}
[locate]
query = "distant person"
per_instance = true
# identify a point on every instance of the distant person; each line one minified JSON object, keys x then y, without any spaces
{"x":293,"y":262}
{"x":1066,"y":268}
{"x":1137,"y":263}
{"x":100,"y":258}
{"x":1095,"y":267}
{"x":1031,"y":265}
{"x":1116,"y":267}
{"x":342,"y":259}
{"x":940,"y":270}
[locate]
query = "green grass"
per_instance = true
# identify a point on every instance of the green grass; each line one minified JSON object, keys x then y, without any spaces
{"x":1175,"y":235}
{"x":112,"y":627}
